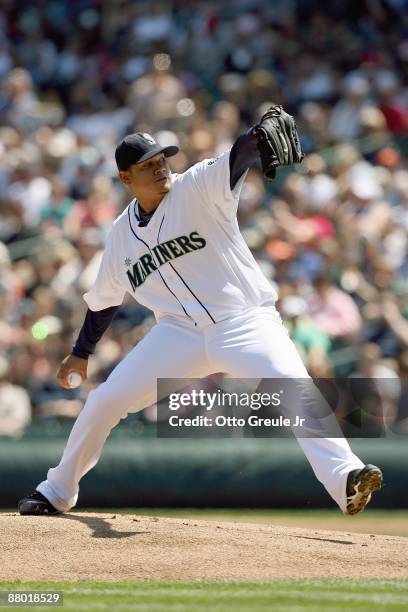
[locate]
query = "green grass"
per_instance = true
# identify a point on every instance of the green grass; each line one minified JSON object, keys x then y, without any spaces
{"x":287,"y":595}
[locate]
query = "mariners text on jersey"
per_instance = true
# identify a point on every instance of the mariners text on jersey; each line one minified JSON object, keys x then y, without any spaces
{"x":161,"y":254}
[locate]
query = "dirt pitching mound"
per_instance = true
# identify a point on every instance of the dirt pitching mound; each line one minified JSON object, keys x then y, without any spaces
{"x":87,"y":546}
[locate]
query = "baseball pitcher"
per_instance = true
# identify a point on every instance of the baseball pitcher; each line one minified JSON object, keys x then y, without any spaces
{"x":177,"y":250}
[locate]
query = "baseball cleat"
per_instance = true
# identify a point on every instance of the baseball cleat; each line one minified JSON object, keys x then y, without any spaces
{"x":36,"y":504}
{"x":360,"y":485}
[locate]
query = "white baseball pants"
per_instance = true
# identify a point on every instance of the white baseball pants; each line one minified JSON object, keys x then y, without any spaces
{"x":254,"y":344}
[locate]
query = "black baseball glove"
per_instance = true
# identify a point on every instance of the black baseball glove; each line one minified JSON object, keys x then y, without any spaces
{"x":278,"y":141}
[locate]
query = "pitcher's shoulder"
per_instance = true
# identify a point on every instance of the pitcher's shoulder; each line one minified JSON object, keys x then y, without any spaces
{"x":182,"y":181}
{"x":122,"y":218}
{"x":199,"y":170}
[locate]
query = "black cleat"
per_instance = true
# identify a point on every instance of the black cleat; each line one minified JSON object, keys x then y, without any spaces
{"x":36,"y":504}
{"x":360,"y":485}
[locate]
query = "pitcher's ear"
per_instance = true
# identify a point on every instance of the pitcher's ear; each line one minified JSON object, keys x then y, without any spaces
{"x":124,"y":177}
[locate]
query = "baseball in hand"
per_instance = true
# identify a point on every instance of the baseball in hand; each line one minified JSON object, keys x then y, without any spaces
{"x":74,"y":379}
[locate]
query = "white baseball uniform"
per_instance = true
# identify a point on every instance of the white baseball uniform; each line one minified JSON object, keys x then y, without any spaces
{"x":214,"y":310}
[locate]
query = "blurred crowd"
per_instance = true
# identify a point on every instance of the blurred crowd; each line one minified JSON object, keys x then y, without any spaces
{"x":75,"y":77}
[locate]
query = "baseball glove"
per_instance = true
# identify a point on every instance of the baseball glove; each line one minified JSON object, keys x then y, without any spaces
{"x":277,"y":140}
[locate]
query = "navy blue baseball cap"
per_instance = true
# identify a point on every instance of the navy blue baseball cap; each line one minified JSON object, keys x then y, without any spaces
{"x":139,"y":147}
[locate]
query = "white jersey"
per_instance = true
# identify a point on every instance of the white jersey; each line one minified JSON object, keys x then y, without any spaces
{"x":191,"y":260}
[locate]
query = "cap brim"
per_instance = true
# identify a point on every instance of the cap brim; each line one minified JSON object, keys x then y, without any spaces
{"x":168,"y":152}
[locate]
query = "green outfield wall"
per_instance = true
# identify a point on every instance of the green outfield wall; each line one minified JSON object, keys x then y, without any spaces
{"x":263,"y":473}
